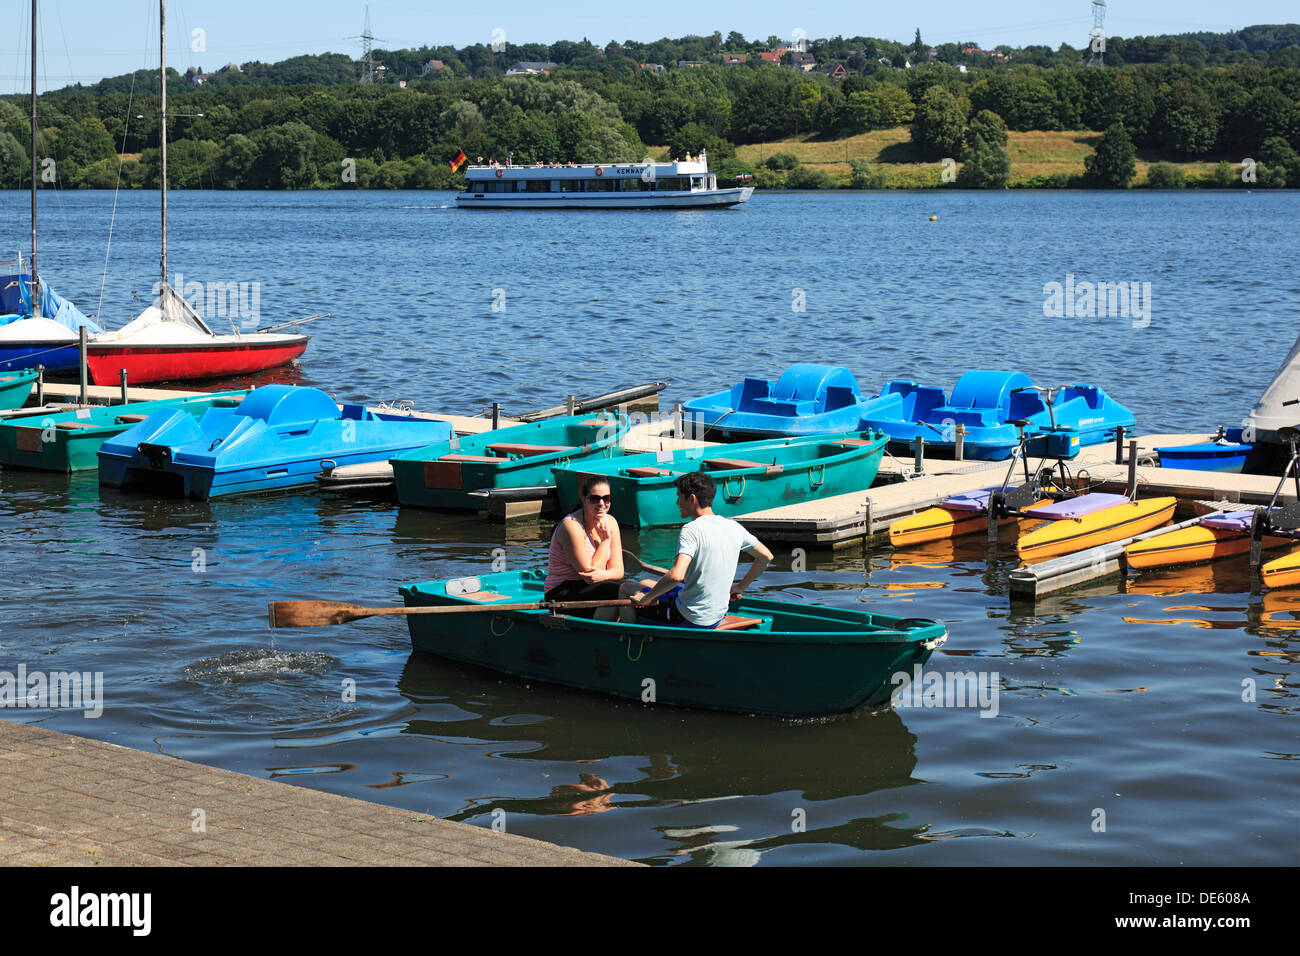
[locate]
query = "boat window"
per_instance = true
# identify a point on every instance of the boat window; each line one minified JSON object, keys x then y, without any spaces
{"x":538,"y":185}
{"x":697,"y":182}
{"x":602,"y":185}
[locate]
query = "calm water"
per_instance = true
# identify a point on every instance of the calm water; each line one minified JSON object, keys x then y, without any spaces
{"x":1130,"y":703}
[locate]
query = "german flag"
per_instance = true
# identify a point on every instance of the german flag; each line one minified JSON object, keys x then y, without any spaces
{"x":455,"y":164}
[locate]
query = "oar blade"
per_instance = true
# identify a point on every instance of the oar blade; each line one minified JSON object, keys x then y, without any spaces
{"x":315,"y":613}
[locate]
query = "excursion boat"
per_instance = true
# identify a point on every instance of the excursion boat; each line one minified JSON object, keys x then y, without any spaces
{"x":70,"y":441}
{"x":444,"y":475}
{"x":14,"y":389}
{"x":278,"y":436}
{"x":750,"y":476}
{"x":681,"y":184}
{"x":986,"y":403}
{"x":806,"y":400}
{"x":768,"y":657}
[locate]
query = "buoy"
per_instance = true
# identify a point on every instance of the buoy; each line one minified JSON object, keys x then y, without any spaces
{"x":934,"y":218}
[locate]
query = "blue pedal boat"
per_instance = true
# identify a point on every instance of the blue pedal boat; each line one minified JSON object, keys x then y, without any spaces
{"x":985,"y":403}
{"x":280,"y":436}
{"x":806,"y":400}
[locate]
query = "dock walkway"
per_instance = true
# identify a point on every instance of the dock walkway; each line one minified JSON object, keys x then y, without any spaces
{"x":71,"y":801}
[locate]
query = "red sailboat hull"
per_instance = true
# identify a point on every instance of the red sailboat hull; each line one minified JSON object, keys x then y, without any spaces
{"x":176,"y":363}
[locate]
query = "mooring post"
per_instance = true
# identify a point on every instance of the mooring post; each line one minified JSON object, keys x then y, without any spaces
{"x":569,"y":404}
{"x":1119,"y":445}
{"x":496,"y":415}
{"x":961,"y":443}
{"x":918,"y":461}
{"x":122,"y":373}
{"x":82,"y":347}
{"x":995,"y":502}
{"x":40,"y":386}
{"x":677,"y":421}
{"x":1256,"y":542}
{"x":1132,"y":468}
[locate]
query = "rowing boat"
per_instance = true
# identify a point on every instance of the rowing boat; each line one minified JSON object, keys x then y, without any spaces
{"x":1072,"y":533}
{"x":750,"y":476}
{"x":70,"y":441}
{"x":15,"y":388}
{"x":769,"y":657}
{"x":443,"y":475}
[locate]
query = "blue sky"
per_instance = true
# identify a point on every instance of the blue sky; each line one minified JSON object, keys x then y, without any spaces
{"x":86,"y":40}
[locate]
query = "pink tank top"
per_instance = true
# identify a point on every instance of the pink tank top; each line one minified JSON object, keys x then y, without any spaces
{"x":558,"y":568}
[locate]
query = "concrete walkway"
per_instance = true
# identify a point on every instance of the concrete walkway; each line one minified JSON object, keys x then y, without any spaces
{"x":70,"y":801}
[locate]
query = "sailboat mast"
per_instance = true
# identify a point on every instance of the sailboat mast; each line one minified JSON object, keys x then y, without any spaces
{"x":162,"y":48}
{"x":35,"y":284}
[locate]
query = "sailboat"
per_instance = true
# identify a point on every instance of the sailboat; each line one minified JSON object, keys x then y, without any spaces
{"x":37,"y":326}
{"x":169,"y":341}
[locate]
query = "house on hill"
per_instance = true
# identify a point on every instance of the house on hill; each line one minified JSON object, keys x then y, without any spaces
{"x":803,"y":62}
{"x":531,"y":68}
{"x":734,"y":59}
{"x":773,"y":56}
{"x":432,"y":66}
{"x":656,"y":68}
{"x":835,"y":71}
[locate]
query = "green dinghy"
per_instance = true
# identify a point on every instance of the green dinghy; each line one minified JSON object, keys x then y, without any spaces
{"x":15,"y":388}
{"x":70,"y":441}
{"x":773,"y":657}
{"x":750,"y":476}
{"x":443,"y":475}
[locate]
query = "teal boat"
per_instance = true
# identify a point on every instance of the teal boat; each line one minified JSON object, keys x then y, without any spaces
{"x":444,"y":475}
{"x":769,"y":657}
{"x":70,"y":441}
{"x":15,"y":388}
{"x":750,"y":476}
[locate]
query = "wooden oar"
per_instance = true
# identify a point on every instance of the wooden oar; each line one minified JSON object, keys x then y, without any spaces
{"x":316,"y":613}
{"x":632,"y":563}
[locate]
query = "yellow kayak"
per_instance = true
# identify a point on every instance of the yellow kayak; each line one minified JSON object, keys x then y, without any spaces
{"x":1283,"y":572}
{"x":941,"y":524}
{"x":1099,"y":527}
{"x":1192,"y":546}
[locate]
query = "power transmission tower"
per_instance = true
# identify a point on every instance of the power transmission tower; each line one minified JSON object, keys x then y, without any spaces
{"x":367,"y":56}
{"x":1097,"y":38}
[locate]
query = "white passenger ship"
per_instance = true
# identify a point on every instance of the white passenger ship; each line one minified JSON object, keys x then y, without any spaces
{"x":646,"y":185}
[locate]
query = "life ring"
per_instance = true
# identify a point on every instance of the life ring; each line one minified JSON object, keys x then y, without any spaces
{"x":499,"y":172}
{"x":599,"y":171}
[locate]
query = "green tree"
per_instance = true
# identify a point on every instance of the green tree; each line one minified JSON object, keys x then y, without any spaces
{"x":864,"y":176}
{"x":1277,"y":153}
{"x":985,"y":163}
{"x":1225,"y":177}
{"x":1165,"y":176}
{"x":14,"y":162}
{"x":805,"y":177}
{"x":285,"y":157}
{"x":694,"y":137}
{"x":234,"y":166}
{"x":1114,"y":162}
{"x":938,"y":124}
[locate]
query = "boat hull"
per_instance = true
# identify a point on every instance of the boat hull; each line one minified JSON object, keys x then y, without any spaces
{"x":715,"y":199}
{"x":15,"y":388}
{"x":1208,"y":456}
{"x":1284,"y":572}
{"x":177,"y":363}
{"x":800,"y":662}
{"x":58,"y":358}
{"x":70,"y":441}
{"x":775,"y":473}
{"x":1192,"y":546}
{"x":1096,"y":528}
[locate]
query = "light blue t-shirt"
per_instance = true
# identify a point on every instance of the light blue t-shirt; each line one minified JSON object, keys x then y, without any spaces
{"x":714,"y":544}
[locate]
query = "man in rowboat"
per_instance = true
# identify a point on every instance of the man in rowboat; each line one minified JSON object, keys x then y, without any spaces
{"x":701,"y":583}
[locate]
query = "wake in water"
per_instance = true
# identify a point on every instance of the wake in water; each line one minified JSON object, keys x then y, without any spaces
{"x":256,"y":664}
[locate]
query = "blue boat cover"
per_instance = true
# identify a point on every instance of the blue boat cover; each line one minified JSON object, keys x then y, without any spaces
{"x":16,"y":304}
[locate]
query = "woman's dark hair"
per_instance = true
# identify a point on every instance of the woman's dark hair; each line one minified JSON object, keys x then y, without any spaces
{"x":591,"y":481}
{"x":700,"y":485}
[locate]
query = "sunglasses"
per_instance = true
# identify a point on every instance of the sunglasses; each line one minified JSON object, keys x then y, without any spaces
{"x":597,"y":499}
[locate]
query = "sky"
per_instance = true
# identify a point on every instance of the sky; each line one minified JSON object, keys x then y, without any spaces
{"x":87,"y":40}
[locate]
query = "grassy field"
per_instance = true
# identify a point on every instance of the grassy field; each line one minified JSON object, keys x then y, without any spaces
{"x":1033,"y":154}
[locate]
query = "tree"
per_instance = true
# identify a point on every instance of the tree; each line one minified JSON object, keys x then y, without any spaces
{"x":1114,"y":162}
{"x":938,"y":124}
{"x":1165,"y":176}
{"x":864,"y":176}
{"x":14,"y":169}
{"x":805,"y":177}
{"x":986,"y":164}
{"x":694,"y":137}
{"x":1278,"y":154}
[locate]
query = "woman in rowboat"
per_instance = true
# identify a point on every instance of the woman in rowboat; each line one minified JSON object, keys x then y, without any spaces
{"x":585,"y":562}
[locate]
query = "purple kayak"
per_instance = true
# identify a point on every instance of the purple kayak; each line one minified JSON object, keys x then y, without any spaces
{"x":1231,"y":521}
{"x":1078,"y":507}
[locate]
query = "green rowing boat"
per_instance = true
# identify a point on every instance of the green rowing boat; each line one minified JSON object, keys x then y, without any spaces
{"x":750,"y":476}
{"x":70,"y":441}
{"x":15,"y":388}
{"x":444,"y":474}
{"x":769,"y":657}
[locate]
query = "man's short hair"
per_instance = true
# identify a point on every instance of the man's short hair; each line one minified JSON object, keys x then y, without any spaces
{"x":700,"y":485}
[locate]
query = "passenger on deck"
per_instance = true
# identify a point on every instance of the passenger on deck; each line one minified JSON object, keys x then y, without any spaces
{"x":585,"y":562}
{"x":701,"y":583}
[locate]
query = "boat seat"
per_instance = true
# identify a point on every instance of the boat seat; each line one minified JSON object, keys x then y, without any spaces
{"x":479,"y":458}
{"x":525,"y":450}
{"x":726,"y":464}
{"x":599,"y":422}
{"x":648,"y":472}
{"x":125,"y":419}
{"x":733,"y":622}
{"x":855,"y":442}
{"x":484,"y":597}
{"x":73,"y":425}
